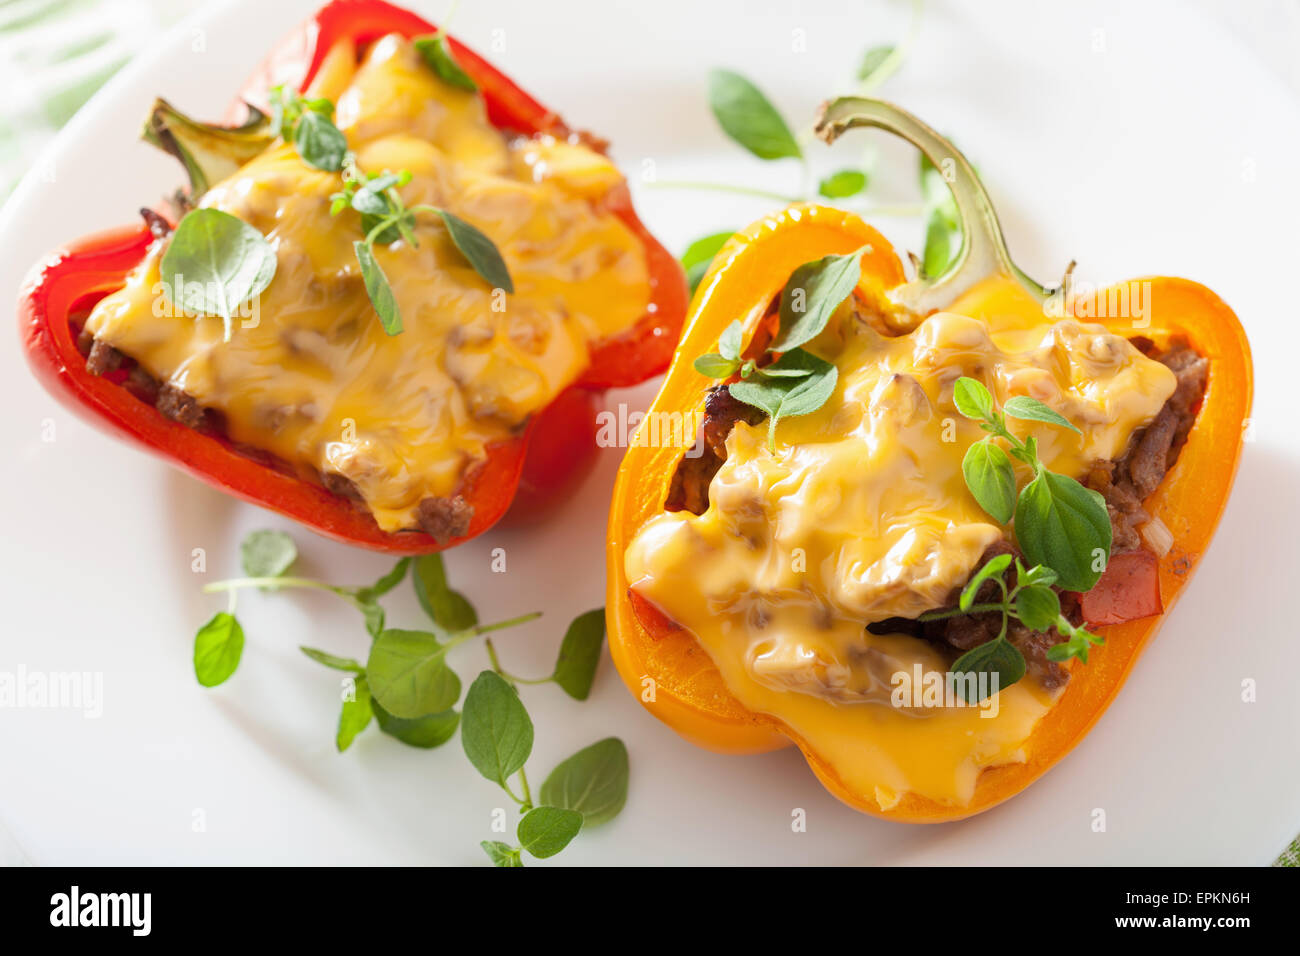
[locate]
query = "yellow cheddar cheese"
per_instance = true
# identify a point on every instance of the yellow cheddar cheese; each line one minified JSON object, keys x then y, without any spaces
{"x":862,"y":514}
{"x":310,"y":375}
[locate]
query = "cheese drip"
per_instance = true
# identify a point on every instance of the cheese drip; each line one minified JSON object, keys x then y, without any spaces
{"x":862,"y":514}
{"x":317,"y":381}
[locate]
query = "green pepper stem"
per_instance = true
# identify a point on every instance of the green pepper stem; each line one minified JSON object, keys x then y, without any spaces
{"x":983,"y":249}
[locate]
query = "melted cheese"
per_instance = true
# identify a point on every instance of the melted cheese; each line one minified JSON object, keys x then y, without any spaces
{"x":862,"y":514}
{"x":317,"y":381}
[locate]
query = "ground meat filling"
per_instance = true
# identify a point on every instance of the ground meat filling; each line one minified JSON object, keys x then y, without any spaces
{"x":1130,"y":480}
{"x":1125,"y":483}
{"x":441,"y":518}
{"x":689,"y":490}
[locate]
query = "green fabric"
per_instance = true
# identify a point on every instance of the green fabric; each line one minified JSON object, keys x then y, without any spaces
{"x":55,"y":54}
{"x":1291,"y":855}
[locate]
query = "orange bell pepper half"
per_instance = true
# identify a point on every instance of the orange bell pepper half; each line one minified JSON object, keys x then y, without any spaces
{"x":673,"y":676}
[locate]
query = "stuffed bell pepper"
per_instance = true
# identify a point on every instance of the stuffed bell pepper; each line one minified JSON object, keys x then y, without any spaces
{"x":384,"y":302}
{"x":929,"y":525}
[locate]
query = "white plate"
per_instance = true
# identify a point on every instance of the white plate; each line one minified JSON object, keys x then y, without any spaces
{"x":1137,"y":139}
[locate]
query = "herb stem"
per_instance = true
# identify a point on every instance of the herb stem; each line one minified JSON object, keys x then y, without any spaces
{"x":526,"y":803}
{"x":234,"y":584}
{"x":724,"y":188}
{"x":904,"y":210}
{"x":501,"y":625}
{"x":889,"y":66}
{"x":958,"y":612}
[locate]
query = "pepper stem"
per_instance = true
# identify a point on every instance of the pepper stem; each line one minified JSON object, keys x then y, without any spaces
{"x":983,"y":250}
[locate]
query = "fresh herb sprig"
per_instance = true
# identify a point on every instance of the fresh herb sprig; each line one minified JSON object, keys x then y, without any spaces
{"x":943,"y":237}
{"x":1061,"y":527}
{"x":407,"y":687}
{"x":385,"y":218}
{"x":750,"y":119}
{"x":214,"y":263}
{"x":586,"y":789}
{"x":1059,"y":523}
{"x":1033,"y":602}
{"x":436,"y":53}
{"x":309,"y":125}
{"x":798,"y":382}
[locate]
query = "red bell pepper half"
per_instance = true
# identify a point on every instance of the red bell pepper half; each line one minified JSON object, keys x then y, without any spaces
{"x":535,"y":467}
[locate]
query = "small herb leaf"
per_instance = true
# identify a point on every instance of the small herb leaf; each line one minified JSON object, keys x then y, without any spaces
{"x":972,"y":399}
{"x":437,"y":54}
{"x":479,"y":251}
{"x":872,"y":61}
{"x":267,"y":554}
{"x":575,"y":668}
{"x":373,"y":613}
{"x":545,"y":831}
{"x":378,"y":288}
{"x":332,"y":660}
{"x":593,"y":781}
{"x":1038,"y":607}
{"x":496,"y":731}
{"x":409,"y":675}
{"x":998,"y":657}
{"x":355,"y":715}
{"x":789,"y":397}
{"x":699,"y":255}
{"x":385,"y":584}
{"x":714,"y":365}
{"x":427,"y":732}
{"x":993,"y":568}
{"x":991,"y":479}
{"x":1032,"y":410}
{"x":942,"y":239}
{"x":501,"y":854}
{"x":217,"y":649}
{"x":447,"y":608}
{"x":319,"y":142}
{"x":749,"y":118}
{"x":214,"y":263}
{"x":841,"y":185}
{"x":812,"y":295}
{"x":732,"y":340}
{"x":1065,"y":526}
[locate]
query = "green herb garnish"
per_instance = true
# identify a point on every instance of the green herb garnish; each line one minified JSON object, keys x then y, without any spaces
{"x":217,"y":648}
{"x":942,"y":221}
{"x":309,"y":125}
{"x":799,"y":382}
{"x":408,"y":689}
{"x":1061,"y":527}
{"x":214,"y":263}
{"x":842,"y":185}
{"x":1032,"y":602}
{"x":874,"y":63}
{"x":386,"y":218}
{"x":749,"y":117}
{"x":699,"y":256}
{"x":1059,"y":523}
{"x":436,"y":53}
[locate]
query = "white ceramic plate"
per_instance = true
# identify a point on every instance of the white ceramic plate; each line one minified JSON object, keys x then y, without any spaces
{"x":1137,"y":139}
